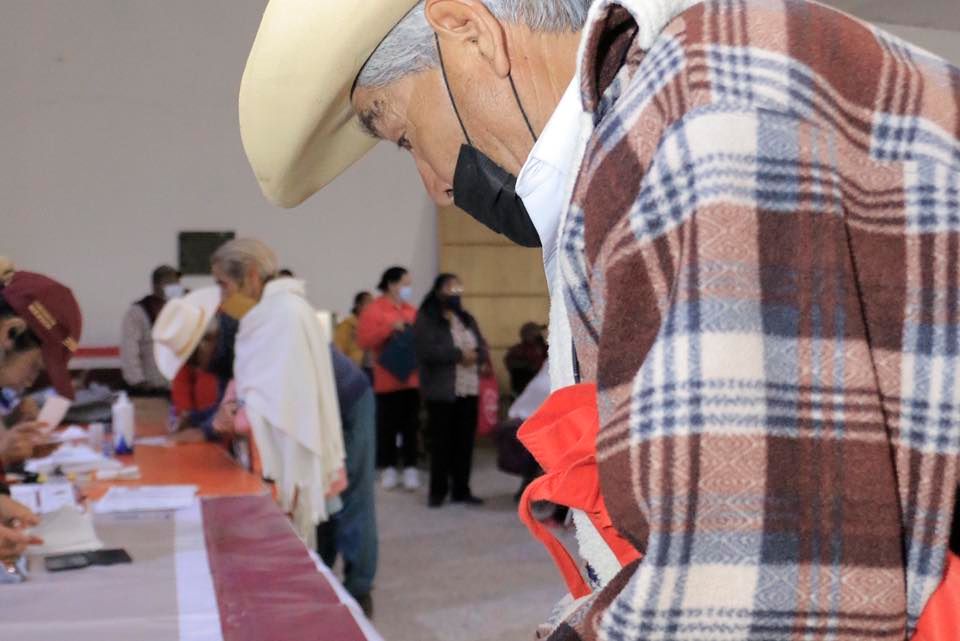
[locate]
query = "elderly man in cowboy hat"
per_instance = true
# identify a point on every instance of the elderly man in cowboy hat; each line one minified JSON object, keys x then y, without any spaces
{"x":750,"y":218}
{"x":311,"y":410}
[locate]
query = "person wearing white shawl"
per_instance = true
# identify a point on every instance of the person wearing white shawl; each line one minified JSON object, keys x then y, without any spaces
{"x":284,"y":377}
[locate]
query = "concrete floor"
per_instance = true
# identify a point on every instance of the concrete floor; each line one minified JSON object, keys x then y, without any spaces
{"x":458,"y":573}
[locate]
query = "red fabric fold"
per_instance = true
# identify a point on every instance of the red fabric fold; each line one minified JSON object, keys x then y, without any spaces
{"x":562,"y":436}
{"x":940,"y":620}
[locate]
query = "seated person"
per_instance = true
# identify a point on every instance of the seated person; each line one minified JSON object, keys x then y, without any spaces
{"x":7,"y":270}
{"x":40,"y":325}
{"x":14,"y":519}
{"x":193,"y":348}
{"x":526,"y":358}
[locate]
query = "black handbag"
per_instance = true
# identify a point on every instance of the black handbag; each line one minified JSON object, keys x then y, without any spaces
{"x":399,"y":356}
{"x":512,"y":456}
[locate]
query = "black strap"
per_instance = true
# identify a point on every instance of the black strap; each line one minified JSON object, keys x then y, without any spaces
{"x":516,"y":96}
{"x":576,"y":363}
{"x":446,"y":83}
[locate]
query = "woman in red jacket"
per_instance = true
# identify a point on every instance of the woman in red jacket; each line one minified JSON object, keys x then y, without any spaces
{"x":385,"y":329}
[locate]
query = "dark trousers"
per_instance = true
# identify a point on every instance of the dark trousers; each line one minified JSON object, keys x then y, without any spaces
{"x":453,"y":428}
{"x":398,"y":413}
{"x":352,"y":532}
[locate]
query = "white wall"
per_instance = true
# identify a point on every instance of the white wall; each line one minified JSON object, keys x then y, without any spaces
{"x":118,"y":129}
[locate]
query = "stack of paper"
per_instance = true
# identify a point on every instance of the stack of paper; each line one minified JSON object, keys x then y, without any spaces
{"x":72,"y":459}
{"x":64,"y":531}
{"x":146,"y":498}
{"x":44,"y":498}
{"x":73,"y":434}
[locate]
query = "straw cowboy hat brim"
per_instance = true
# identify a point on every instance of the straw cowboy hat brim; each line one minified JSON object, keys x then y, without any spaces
{"x":180,"y":327}
{"x":298,"y":127}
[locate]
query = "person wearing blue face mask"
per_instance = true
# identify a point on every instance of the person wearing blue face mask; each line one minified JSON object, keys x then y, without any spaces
{"x":139,"y":368}
{"x":385,"y":329}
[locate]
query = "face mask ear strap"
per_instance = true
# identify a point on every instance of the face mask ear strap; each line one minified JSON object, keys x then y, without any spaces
{"x":523,"y":112}
{"x":446,"y":84}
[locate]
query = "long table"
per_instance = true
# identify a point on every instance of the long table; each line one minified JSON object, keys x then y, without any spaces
{"x":229,"y":569}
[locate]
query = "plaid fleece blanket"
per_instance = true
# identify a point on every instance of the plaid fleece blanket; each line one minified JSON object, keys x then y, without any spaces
{"x":762,"y":269}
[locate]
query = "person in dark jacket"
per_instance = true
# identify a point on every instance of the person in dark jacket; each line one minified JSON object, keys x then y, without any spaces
{"x":450,"y":352}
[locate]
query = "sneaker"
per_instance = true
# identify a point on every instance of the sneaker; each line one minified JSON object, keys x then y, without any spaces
{"x":411,"y":479}
{"x":469,"y":499}
{"x":389,"y":478}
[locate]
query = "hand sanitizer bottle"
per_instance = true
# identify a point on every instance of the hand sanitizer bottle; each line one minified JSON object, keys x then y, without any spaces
{"x":123,"y":425}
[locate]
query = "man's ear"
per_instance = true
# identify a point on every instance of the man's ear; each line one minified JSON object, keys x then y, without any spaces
{"x":10,"y":329}
{"x":469,"y":23}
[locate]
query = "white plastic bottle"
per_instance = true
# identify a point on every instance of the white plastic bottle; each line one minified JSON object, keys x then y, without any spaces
{"x":123,"y":425}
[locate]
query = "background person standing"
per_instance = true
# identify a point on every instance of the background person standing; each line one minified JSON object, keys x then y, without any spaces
{"x":451,"y":352}
{"x":385,"y":329}
{"x":139,"y":367}
{"x":345,"y":336}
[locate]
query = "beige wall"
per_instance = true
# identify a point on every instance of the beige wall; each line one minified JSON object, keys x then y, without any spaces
{"x":505,"y":285}
{"x":118,"y":128}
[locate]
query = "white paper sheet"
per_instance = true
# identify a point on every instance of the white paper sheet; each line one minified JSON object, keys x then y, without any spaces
{"x":72,"y":459}
{"x":74,"y":433}
{"x":44,"y":498}
{"x":53,"y":411}
{"x":146,"y":498}
{"x":64,"y":531}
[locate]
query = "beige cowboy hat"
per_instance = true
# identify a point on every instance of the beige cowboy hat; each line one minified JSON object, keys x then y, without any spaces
{"x":180,"y":326}
{"x":298,"y":127}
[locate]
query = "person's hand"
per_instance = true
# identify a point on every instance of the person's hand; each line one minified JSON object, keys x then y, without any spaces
{"x":469,"y":357}
{"x":224,"y":421}
{"x":43,"y":450}
{"x":14,"y":542}
{"x":182,"y":422}
{"x":399,"y":326}
{"x":12,"y":511}
{"x":189,"y":434}
{"x":17,"y":443}
{"x":28,"y":409}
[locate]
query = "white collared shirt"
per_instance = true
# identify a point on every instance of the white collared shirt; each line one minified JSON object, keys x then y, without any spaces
{"x":543,"y":180}
{"x":543,"y":184}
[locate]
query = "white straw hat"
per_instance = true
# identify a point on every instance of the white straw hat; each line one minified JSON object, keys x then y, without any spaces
{"x":180,"y":326}
{"x":298,"y":126}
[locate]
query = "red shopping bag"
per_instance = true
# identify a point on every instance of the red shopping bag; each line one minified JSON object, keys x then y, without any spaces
{"x":488,"y":412}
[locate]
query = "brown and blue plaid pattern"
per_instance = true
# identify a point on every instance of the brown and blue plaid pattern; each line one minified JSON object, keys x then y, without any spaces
{"x":762,"y":266}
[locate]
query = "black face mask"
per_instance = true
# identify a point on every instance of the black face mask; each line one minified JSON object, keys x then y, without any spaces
{"x":453,"y":303}
{"x":487,"y":191}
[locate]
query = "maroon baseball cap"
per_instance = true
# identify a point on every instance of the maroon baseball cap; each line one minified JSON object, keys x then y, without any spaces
{"x":52,"y":312}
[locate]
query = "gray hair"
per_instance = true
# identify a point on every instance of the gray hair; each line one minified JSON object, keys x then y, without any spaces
{"x":409,"y":47}
{"x":236,"y":256}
